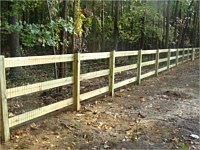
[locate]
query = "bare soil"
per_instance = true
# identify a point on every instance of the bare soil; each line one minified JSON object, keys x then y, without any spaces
{"x":161,"y":113}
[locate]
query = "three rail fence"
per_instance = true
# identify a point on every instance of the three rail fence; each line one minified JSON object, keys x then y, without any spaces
{"x":172,"y":58}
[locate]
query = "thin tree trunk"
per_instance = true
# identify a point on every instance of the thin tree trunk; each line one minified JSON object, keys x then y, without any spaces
{"x":181,"y":26}
{"x":142,"y":31}
{"x":175,"y":22}
{"x":158,"y":24}
{"x":186,"y":24}
{"x":164,"y":21}
{"x":195,"y":27}
{"x":116,"y":30}
{"x":74,"y":36}
{"x":14,"y":48}
{"x":167,"y":26}
{"x":63,"y":47}
{"x":102,"y":26}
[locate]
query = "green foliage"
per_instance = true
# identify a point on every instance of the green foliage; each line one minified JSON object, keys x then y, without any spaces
{"x":109,"y":23}
{"x":39,"y":34}
{"x":78,"y":23}
{"x":130,"y":23}
{"x":184,"y":147}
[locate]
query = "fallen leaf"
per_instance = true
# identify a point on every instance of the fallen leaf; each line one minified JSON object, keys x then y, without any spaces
{"x":118,"y":95}
{"x":80,"y":115}
{"x":33,"y":126}
{"x":194,"y":136}
{"x":122,"y":90}
{"x":105,"y":146}
{"x":128,"y":89}
{"x":11,"y":114}
{"x":141,"y":115}
{"x":142,"y":99}
{"x":165,"y":97}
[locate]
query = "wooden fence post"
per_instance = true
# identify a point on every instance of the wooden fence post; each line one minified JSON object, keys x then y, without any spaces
{"x":76,"y":87}
{"x":188,"y":55}
{"x":139,"y":66}
{"x":4,"y":124}
{"x":192,"y":54}
{"x":157,"y":62}
{"x":168,"y":59}
{"x":183,"y":55}
{"x":112,"y":73}
{"x":177,"y":54}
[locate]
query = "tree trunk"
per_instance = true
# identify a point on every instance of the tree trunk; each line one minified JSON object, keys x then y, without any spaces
{"x":74,"y":36}
{"x":102,"y":26}
{"x":175,"y":22}
{"x":195,"y":27}
{"x":116,"y":30}
{"x":187,"y":16}
{"x":180,"y":28}
{"x":63,"y":47}
{"x":167,"y":26}
{"x":158,"y":25}
{"x":14,"y":48}
{"x":164,"y":18}
{"x":142,"y":31}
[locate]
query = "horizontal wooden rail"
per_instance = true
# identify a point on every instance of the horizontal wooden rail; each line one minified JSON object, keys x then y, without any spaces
{"x":180,"y":56}
{"x":39,"y":112}
{"x":172,"y":58}
{"x":173,"y":50}
{"x":94,"y":93}
{"x":125,"y":82}
{"x":28,"y":89}
{"x":126,"y":53}
{"x":92,"y":75}
{"x":172,"y":65}
{"x":148,"y":74}
{"x":181,"y":49}
{"x":162,"y":69}
{"x":125,"y":68}
{"x":144,"y":52}
{"x":37,"y":60}
{"x":91,"y":56}
{"x":163,"y":50}
{"x":162,"y":60}
{"x":148,"y":63}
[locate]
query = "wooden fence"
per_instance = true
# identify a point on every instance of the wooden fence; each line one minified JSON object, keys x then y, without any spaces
{"x":179,"y":56}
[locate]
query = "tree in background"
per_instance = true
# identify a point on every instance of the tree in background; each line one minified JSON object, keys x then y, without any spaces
{"x":98,"y":25}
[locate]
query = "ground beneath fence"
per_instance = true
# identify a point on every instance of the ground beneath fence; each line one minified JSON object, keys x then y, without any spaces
{"x":161,"y":113}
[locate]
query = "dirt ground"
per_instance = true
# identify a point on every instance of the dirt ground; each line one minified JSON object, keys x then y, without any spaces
{"x":161,"y":113}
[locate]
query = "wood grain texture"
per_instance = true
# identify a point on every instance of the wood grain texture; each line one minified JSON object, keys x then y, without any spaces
{"x":112,"y":73}
{"x":37,"y":60}
{"x":126,"y":53}
{"x":94,"y":93}
{"x":76,"y":85}
{"x":5,"y":131}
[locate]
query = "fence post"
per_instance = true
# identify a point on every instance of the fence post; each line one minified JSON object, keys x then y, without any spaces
{"x":157,"y":62}
{"x":193,"y":54}
{"x":112,"y":73}
{"x":76,"y":87}
{"x":183,"y":55}
{"x":168,"y":59}
{"x":139,"y":66}
{"x":5,"y":132}
{"x":177,"y":54}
